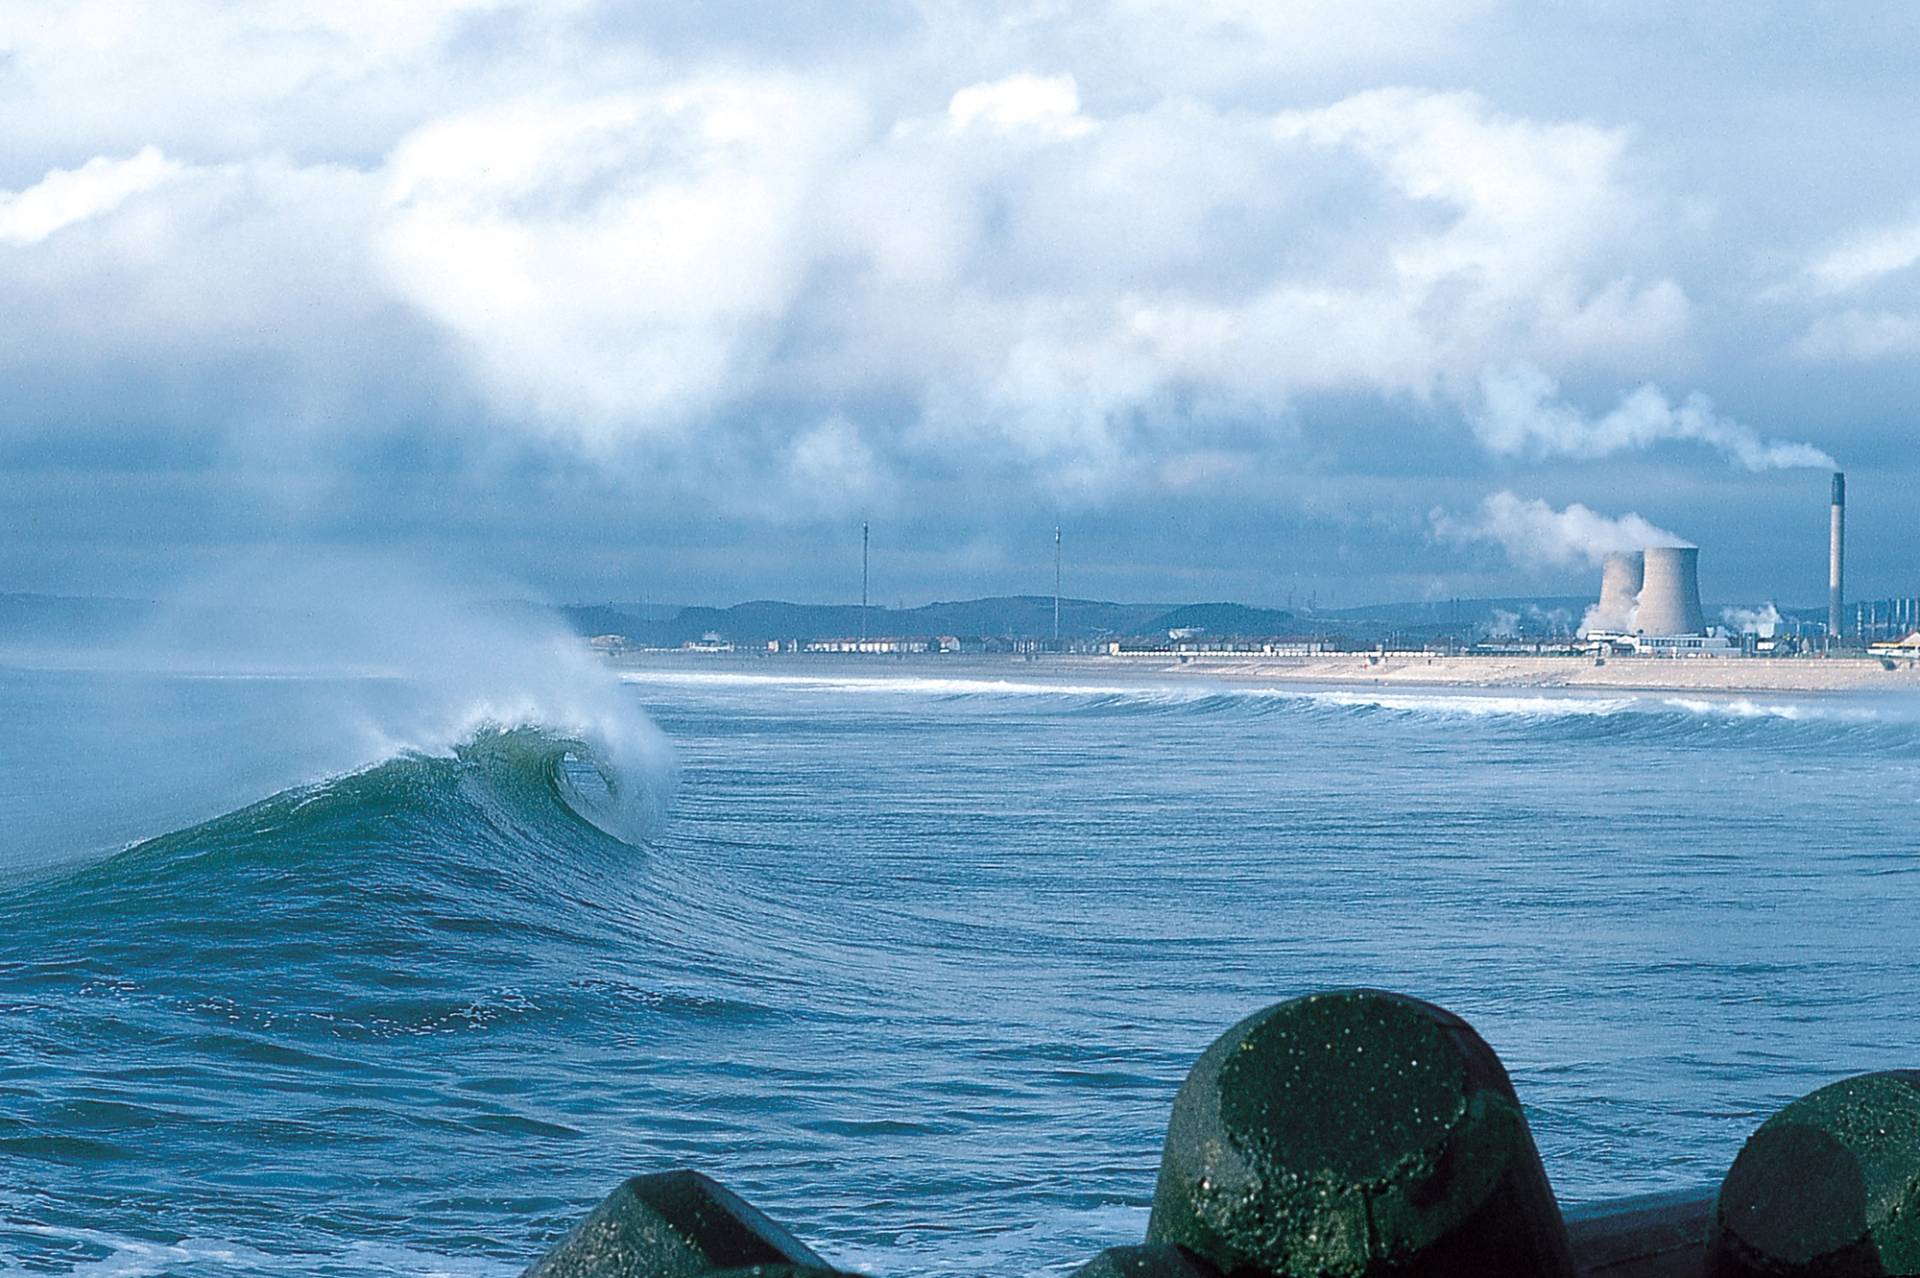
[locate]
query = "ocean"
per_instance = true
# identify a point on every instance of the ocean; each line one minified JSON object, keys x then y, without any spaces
{"x":329,"y":975}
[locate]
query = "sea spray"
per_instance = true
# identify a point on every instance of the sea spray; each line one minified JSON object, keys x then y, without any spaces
{"x":281,"y":670}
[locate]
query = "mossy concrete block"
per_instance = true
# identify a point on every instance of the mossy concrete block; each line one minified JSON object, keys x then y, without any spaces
{"x":672,"y":1225}
{"x":1151,"y":1260}
{"x":1356,"y":1133}
{"x":1828,"y":1187}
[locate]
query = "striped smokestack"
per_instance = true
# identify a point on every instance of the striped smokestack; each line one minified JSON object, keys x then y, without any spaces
{"x":1836,"y":555}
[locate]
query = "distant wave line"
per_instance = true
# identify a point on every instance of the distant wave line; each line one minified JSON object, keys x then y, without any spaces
{"x":1464,"y":702}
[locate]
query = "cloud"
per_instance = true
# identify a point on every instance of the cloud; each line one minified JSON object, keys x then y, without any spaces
{"x":831,"y":471}
{"x":66,"y":196}
{"x":1535,"y":535}
{"x":1017,"y":280}
{"x":226,"y":305}
{"x":1077,"y":256}
{"x":1189,"y":43}
{"x":1048,"y":103}
{"x":1520,"y":414}
{"x":614,"y":266}
{"x":1866,"y":258}
{"x":1862,"y":336}
{"x":304,"y":79}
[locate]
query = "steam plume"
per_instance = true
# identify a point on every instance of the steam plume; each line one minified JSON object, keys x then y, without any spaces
{"x":1534,"y":534}
{"x":1521,"y":413}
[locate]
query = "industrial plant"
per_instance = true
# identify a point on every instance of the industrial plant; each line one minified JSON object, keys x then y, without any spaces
{"x":1650,"y":602}
{"x":1649,"y":605}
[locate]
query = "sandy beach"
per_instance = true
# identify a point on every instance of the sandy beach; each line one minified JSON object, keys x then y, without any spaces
{"x":1634,"y":674}
{"x":1725,"y":675}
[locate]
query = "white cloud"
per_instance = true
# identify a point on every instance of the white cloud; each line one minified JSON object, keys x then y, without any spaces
{"x":1866,"y":258}
{"x":226,"y":300}
{"x":1017,"y":277}
{"x":1527,"y":195}
{"x":1536,"y":535}
{"x":1862,"y":336}
{"x":1184,"y":253}
{"x":1050,"y":104}
{"x":66,"y":196}
{"x":615,"y":265}
{"x":831,"y":471}
{"x":1065,"y":289}
{"x":1184,"y":43}
{"x":1520,"y":414}
{"x":220,"y":81}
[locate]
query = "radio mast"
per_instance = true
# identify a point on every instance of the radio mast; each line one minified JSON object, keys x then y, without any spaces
{"x":1056,"y":585}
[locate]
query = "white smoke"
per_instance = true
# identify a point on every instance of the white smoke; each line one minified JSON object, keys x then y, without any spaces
{"x":1610,"y":614}
{"x":1764,"y":622}
{"x":1521,"y":413}
{"x":1536,"y":535}
{"x":1595,"y":620}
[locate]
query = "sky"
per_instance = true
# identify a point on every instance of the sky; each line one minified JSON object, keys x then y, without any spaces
{"x":1264,"y":300}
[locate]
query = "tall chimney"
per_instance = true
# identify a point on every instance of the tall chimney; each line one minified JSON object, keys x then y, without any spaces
{"x":1836,"y":555}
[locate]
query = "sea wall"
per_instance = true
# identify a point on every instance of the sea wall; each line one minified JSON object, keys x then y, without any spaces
{"x":1359,"y":1133}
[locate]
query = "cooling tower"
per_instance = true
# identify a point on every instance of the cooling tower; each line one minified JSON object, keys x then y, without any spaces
{"x":1620,"y":579}
{"x":1837,"y":556}
{"x":1670,"y":592}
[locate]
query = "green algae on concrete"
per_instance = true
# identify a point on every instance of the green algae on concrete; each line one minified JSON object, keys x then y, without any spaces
{"x":1351,"y":1134}
{"x":672,"y":1225}
{"x":1829,"y":1187}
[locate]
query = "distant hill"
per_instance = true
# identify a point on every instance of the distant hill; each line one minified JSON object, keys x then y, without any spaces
{"x":1226,"y":619}
{"x":1000,"y":617}
{"x":1441,"y":612}
{"x":759,"y":620}
{"x":1031,"y":617}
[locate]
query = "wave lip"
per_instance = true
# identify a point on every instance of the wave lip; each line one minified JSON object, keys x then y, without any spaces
{"x":1480,"y":704}
{"x":504,"y":819}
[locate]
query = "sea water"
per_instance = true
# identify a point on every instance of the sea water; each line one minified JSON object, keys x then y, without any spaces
{"x":912,"y":958}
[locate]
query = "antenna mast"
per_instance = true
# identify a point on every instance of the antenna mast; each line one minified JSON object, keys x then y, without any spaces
{"x":1056,"y":585}
{"x":863,"y":582}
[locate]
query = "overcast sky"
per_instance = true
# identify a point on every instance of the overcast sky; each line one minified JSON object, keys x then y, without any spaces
{"x":1258,"y":298}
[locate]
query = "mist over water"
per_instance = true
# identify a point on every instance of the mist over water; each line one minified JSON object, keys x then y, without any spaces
{"x":288,"y":669}
{"x":914,"y":963}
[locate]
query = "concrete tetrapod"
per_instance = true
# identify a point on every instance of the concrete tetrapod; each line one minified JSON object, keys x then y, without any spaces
{"x":1153,"y":1260}
{"x":1356,"y":1133}
{"x":674,"y":1225}
{"x":1828,"y":1187}
{"x":1660,"y":1235}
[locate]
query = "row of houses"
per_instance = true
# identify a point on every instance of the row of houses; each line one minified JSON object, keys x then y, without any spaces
{"x":881,"y":645}
{"x":884,"y":645}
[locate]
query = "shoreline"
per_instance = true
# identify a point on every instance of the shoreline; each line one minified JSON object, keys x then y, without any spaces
{"x":1715,"y":675}
{"x":1617,"y":674}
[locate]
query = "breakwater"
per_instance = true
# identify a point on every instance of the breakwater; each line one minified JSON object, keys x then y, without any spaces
{"x":1358,"y":1133}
